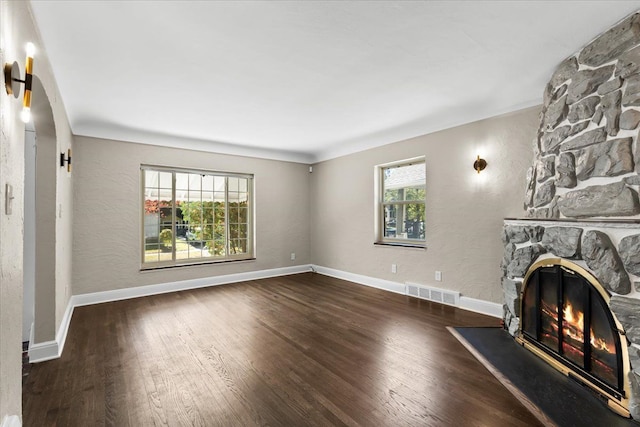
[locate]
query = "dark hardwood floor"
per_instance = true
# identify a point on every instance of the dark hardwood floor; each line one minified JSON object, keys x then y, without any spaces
{"x":288,"y":351}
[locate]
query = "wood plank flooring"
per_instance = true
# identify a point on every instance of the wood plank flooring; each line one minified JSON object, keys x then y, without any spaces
{"x":289,"y":351}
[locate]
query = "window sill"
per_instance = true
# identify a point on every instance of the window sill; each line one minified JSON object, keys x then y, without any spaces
{"x":192,"y":264}
{"x":402,"y":244}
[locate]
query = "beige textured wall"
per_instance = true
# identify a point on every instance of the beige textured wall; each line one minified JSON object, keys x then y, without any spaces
{"x":18,"y":28}
{"x":106,"y":240}
{"x":464,"y":210}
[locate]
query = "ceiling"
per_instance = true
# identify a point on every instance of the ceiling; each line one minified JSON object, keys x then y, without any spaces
{"x":304,"y":81}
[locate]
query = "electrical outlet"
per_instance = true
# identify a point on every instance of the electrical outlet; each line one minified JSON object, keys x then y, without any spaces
{"x":438,"y":276}
{"x":394,"y":268}
{"x":293,"y":256}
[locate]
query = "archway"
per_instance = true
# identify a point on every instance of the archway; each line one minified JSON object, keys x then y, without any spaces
{"x":46,"y":163}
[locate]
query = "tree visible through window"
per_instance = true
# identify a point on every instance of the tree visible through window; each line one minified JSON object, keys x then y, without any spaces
{"x":402,"y":202}
{"x":195,"y":216}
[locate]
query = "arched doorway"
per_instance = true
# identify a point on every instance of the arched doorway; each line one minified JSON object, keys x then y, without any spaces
{"x":44,"y":217}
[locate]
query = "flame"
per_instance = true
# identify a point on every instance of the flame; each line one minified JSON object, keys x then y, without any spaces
{"x":577,"y":321}
{"x":573,"y":323}
{"x":601,"y":344}
{"x":573,"y":327}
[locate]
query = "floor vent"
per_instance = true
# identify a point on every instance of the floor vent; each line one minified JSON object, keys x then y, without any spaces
{"x":433,"y":294}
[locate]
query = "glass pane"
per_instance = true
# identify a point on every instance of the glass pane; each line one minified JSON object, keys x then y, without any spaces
{"x":414,"y":222}
{"x":207,"y":213}
{"x":219,"y":184}
{"x":242,"y":231}
{"x":243,"y":215}
{"x":218,"y":196}
{"x":195,"y":181}
{"x":549,"y":308}
{"x":182,"y":249}
{"x":150,"y":178}
{"x":207,"y":183}
{"x":404,"y":221}
{"x":243,"y":185}
{"x":233,"y":213}
{"x":604,"y":363}
{"x":165,"y":179}
{"x":220,"y":248}
{"x":207,"y":196}
{"x":241,"y":246}
{"x":404,"y":182}
{"x":219,"y":213}
{"x":414,"y":194}
{"x":207,"y":232}
{"x":219,"y":231}
{"x":390,"y":221}
{"x":151,"y":252}
{"x":209,"y":248}
{"x":392,"y":195}
{"x":234,"y":184}
{"x":238,"y":246}
{"x":573,"y":319}
{"x":182,"y":181}
{"x":165,"y":239}
{"x":195,"y":249}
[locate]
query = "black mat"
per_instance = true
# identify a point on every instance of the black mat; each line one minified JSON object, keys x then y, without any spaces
{"x":553,"y":397}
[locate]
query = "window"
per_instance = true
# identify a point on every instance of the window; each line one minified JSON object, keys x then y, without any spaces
{"x":402,"y":203}
{"x":192,"y":216}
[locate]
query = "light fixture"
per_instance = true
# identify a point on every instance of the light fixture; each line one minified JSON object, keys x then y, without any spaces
{"x":66,"y":160}
{"x":12,"y":82}
{"x":479,"y":164}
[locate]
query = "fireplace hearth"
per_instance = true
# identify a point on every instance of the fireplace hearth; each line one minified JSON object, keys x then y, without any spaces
{"x":566,"y":320}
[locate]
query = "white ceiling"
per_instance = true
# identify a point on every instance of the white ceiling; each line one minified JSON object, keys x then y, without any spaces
{"x":304,"y":80}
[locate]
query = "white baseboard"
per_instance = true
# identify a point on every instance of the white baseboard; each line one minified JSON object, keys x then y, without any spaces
{"x":163,"y":288}
{"x":48,"y":350}
{"x":386,"y":285}
{"x":40,"y":352}
{"x":481,"y":306}
{"x":471,"y":304}
{"x":11,"y":421}
{"x":43,"y":351}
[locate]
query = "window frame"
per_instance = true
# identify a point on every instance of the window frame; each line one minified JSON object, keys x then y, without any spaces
{"x":380,"y":238}
{"x":174,"y":262}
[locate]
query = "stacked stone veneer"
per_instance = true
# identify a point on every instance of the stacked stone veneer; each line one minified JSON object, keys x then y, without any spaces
{"x":610,"y":251}
{"x":586,"y":169}
{"x":586,"y":153}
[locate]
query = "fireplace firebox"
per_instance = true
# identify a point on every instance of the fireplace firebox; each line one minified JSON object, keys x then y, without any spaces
{"x":566,"y":320}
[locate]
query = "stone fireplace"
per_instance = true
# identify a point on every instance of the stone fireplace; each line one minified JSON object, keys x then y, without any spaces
{"x":571,"y":267}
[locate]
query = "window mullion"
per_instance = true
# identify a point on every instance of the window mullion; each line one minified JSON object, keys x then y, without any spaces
{"x":226,"y":218}
{"x":173,"y":217}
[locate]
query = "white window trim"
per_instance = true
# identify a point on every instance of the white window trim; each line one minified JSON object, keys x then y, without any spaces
{"x":251,"y":246}
{"x":380,"y":239}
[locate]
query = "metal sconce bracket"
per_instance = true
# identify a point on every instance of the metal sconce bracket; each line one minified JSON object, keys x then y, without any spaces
{"x":12,"y":82}
{"x":12,"y":79}
{"x":480,"y":164}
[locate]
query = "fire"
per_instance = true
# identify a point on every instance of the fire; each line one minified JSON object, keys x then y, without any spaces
{"x":569,"y":317}
{"x":601,"y":344}
{"x":573,"y":327}
{"x":573,"y":324}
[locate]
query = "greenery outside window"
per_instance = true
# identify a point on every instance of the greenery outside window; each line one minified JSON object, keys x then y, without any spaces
{"x":401,"y":204}
{"x":195,"y":216}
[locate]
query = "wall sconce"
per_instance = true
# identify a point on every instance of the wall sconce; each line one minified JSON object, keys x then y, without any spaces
{"x":66,"y":160}
{"x":12,"y":82}
{"x":479,"y":164}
